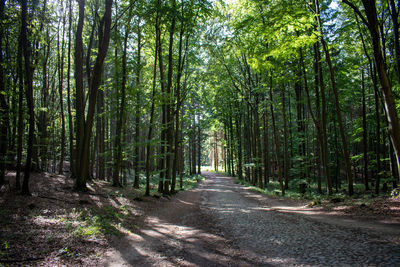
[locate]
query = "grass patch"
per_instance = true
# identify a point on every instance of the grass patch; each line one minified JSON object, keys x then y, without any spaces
{"x":190,"y":182}
{"x":95,"y":221}
{"x":273,"y":189}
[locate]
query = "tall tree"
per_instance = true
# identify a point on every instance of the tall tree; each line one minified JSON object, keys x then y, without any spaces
{"x":28,"y":94}
{"x":85,"y":123}
{"x":4,"y":119}
{"x":371,"y":21}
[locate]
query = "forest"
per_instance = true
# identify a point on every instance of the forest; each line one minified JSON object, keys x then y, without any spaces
{"x":295,"y":98}
{"x":282,"y":91}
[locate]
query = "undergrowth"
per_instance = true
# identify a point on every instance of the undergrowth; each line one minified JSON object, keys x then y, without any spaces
{"x":97,"y":221}
{"x":311,"y":193}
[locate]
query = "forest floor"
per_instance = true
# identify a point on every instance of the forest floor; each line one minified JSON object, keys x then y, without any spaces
{"x":218,"y":223}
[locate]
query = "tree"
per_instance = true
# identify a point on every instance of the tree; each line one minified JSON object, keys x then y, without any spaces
{"x":84,"y":123}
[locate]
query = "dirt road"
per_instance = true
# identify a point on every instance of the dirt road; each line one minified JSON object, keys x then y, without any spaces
{"x":221,"y":223}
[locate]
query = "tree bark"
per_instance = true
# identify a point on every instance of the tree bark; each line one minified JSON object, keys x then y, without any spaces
{"x":278,"y":162}
{"x":4,"y":118}
{"x":178,"y":141}
{"x":121,"y":117}
{"x":69,"y":104}
{"x":84,"y":127}
{"x":365,"y":134}
{"x":267,"y":167}
{"x":337,"y":106}
{"x":372,"y":22}
{"x":285,"y":143}
{"x":137,"y":110}
{"x":395,"y":18}
{"x":60,"y":92}
{"x":150,"y":133}
{"x":29,"y":96}
{"x":169,"y":119}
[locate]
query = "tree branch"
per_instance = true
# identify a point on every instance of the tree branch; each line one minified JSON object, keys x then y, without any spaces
{"x":357,"y":11}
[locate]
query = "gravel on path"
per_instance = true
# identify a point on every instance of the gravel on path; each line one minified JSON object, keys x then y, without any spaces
{"x":271,"y":237}
{"x":221,"y":223}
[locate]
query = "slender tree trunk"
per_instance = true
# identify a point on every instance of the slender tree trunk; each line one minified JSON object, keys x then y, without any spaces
{"x":181,"y":62}
{"x":337,"y":106}
{"x":181,"y":154}
{"x":193,"y":146}
{"x":285,"y":143}
{"x":43,"y":123}
{"x":137,"y":110}
{"x":100,"y":136}
{"x":317,"y":117}
{"x":199,"y":149}
{"x":239,"y":144}
{"x":216,"y":159}
{"x":80,"y":182}
{"x":4,"y":109}
{"x":60,"y":91}
{"x":372,"y":22}
{"x":84,"y":127}
{"x":395,"y":18}
{"x":121,"y":118}
{"x":70,"y":117}
{"x":150,"y":133}
{"x":20,"y":112}
{"x":276,"y":138}
{"x":169,"y":118}
{"x":372,"y":71}
{"x":29,"y":96}
{"x":227,"y":148}
{"x":386,"y":88}
{"x":324,"y":140}
{"x":266,"y":151}
{"x":162,"y":160}
{"x":365,"y":134}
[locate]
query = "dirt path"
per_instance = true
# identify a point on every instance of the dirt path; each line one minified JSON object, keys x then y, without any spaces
{"x":223,"y":224}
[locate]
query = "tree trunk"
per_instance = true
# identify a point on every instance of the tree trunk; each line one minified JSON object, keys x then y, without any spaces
{"x":181,"y":154}
{"x":4,"y":119}
{"x":317,"y":118}
{"x":324,"y":140}
{"x":266,"y":151}
{"x":239,"y":144}
{"x":121,"y":117}
{"x":29,"y":96}
{"x":193,"y":146}
{"x":100,"y":125}
{"x":162,"y":160}
{"x":285,"y":145}
{"x":372,"y":22}
{"x":20,"y":112}
{"x":199,"y":148}
{"x":43,"y":120}
{"x":169,"y":118}
{"x":70,"y":117}
{"x":60,"y":92}
{"x":386,"y":88}
{"x":276,"y":138}
{"x":365,"y":134}
{"x":395,"y":18}
{"x":178,"y":141}
{"x":137,"y":110}
{"x":84,"y":127}
{"x":80,"y":182}
{"x":337,"y":106}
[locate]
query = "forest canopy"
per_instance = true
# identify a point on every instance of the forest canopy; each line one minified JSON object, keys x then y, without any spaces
{"x":293,"y":92}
